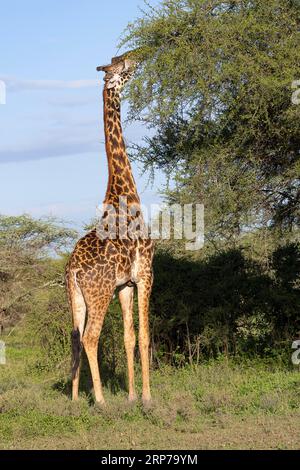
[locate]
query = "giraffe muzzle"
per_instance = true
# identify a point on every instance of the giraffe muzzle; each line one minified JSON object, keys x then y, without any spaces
{"x":103,"y":68}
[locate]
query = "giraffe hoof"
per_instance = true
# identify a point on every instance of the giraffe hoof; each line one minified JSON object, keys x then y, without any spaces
{"x":132,"y":399}
{"x":147,"y":403}
{"x":100,"y":404}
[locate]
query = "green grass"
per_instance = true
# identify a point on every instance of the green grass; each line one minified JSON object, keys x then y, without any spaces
{"x":220,"y":404}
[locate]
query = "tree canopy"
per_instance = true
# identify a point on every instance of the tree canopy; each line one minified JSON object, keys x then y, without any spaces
{"x":214,"y":86}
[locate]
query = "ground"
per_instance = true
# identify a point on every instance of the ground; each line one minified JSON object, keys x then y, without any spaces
{"x":218,"y":405}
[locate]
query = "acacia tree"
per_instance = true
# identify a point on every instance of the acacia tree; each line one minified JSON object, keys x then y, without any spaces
{"x":27,"y":247}
{"x":214,"y":86}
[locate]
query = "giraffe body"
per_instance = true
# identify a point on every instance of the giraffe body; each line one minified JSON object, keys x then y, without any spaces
{"x":99,"y":265}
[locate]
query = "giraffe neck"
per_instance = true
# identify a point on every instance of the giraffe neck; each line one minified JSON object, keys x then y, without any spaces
{"x":120,"y":181}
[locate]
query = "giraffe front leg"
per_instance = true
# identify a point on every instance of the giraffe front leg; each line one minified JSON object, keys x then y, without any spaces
{"x":126,"y":300}
{"x":144,"y":291}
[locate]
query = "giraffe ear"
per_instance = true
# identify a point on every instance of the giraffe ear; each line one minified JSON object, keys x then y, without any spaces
{"x":129,"y":64}
{"x":126,"y":64}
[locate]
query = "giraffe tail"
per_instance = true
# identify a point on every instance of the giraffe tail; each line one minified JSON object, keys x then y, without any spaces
{"x":76,"y":351}
{"x":78,"y":309}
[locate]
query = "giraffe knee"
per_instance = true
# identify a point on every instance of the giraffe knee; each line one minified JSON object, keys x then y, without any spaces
{"x":90,"y":341}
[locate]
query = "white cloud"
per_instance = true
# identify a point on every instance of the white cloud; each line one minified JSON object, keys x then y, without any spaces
{"x":49,"y":149}
{"x":17,"y":85}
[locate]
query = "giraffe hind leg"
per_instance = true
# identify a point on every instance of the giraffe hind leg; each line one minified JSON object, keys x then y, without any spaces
{"x":126,"y":300}
{"x":97,"y":308}
{"x":144,"y":291}
{"x":78,"y":308}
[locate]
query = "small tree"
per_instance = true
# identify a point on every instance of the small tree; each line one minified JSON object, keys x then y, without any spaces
{"x":26,"y":245}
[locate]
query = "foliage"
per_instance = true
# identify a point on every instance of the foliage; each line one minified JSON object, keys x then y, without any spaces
{"x":214,"y":86}
{"x":230,"y":301}
{"x":26,"y":245}
{"x":225,"y":303}
{"x":34,"y":235}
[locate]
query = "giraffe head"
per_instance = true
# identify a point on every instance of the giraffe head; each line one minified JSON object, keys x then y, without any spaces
{"x":118,"y":72}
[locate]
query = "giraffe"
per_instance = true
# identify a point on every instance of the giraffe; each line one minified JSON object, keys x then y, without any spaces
{"x":99,"y":265}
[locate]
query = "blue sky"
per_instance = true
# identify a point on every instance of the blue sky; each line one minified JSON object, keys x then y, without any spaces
{"x":52,"y":158}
